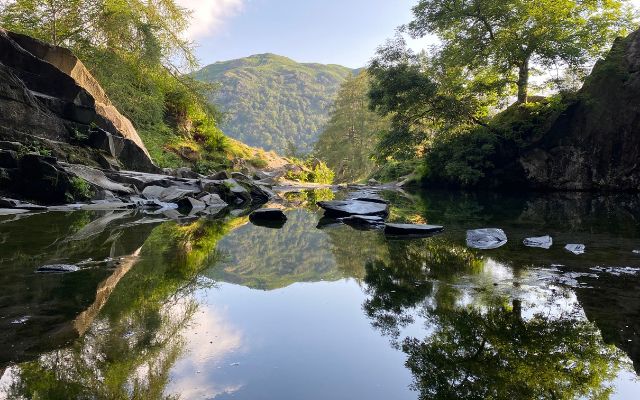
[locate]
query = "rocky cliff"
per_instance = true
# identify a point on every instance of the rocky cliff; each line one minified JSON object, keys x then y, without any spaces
{"x":50,"y":102}
{"x":595,"y":143}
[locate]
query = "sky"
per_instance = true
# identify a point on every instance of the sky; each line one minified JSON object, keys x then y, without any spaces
{"x":345,"y":32}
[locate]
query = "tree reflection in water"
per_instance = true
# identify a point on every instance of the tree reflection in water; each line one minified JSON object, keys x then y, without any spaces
{"x":482,"y":345}
{"x":130,"y":349}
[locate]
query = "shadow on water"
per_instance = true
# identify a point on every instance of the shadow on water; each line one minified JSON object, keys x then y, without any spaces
{"x":508,"y":323}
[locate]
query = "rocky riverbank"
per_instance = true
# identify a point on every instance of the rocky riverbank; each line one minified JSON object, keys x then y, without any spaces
{"x":33,"y":181}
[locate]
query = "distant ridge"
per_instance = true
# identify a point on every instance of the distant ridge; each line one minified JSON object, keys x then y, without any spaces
{"x":271,"y":100}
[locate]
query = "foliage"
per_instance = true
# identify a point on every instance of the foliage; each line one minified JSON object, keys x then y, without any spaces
{"x":80,"y":189}
{"x":310,"y":170}
{"x":468,"y":157}
{"x":498,"y":354}
{"x":271,"y":100}
{"x":136,"y":50}
{"x":392,"y":170}
{"x":441,"y":102}
{"x":422,"y":98}
{"x":347,"y":143}
{"x":506,"y":38}
{"x":258,"y":162}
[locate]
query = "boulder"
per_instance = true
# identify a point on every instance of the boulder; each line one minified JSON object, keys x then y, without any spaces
{"x":270,"y":214}
{"x":189,"y":205}
{"x":187,"y":173}
{"x":486,"y":239}
{"x":338,"y":208}
{"x":268,"y":217}
{"x":237,"y":192}
{"x":42,"y":179}
{"x":8,"y":159}
{"x":543,"y":242}
{"x":419,"y":230}
{"x":219,"y":176}
{"x":212,"y":200}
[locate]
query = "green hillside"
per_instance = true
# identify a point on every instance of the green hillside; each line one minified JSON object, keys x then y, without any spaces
{"x":272,"y":100}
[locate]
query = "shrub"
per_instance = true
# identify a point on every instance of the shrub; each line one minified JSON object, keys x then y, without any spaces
{"x":79,"y":189}
{"x":258,"y":162}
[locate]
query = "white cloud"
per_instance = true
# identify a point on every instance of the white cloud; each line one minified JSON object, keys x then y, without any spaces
{"x":209,"y":15}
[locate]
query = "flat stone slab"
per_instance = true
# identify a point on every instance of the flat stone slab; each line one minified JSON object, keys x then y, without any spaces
{"x":171,"y":194}
{"x":97,"y":178}
{"x":542,"y":242}
{"x":12,"y":211}
{"x":364,"y":222}
{"x":58,"y":268}
{"x":576,"y":249}
{"x":486,"y":238}
{"x":412,"y":229}
{"x":354,"y":207}
{"x":13,"y":203}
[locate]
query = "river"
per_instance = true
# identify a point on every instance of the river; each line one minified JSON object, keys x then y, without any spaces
{"x":224,"y":309}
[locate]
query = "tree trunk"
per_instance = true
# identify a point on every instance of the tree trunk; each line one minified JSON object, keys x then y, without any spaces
{"x":523,"y":82}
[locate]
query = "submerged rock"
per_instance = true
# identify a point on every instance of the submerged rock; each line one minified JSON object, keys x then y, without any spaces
{"x":576,"y":249}
{"x":543,"y":242}
{"x":354,"y":207}
{"x":58,"y":268}
{"x":412,"y":230}
{"x":486,"y":239}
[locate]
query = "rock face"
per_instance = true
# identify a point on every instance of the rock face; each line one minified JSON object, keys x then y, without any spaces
{"x":595,"y":143}
{"x":49,"y":98}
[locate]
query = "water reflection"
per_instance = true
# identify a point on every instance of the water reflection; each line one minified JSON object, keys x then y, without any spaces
{"x":481,"y":345}
{"x":226,"y":309}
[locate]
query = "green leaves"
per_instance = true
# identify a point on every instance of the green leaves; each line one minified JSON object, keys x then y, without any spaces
{"x":347,"y":143}
{"x":508,"y":36}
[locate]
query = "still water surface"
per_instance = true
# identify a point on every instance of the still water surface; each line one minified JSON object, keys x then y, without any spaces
{"x":222,"y":309}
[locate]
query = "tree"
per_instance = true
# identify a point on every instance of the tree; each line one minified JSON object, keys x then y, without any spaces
{"x":423,"y":97}
{"x":349,"y":140}
{"x":509,"y":37}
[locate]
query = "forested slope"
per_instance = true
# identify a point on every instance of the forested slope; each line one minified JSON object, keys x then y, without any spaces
{"x":274,"y":102}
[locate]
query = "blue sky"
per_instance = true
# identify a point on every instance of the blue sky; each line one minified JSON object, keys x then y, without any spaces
{"x":345,"y":32}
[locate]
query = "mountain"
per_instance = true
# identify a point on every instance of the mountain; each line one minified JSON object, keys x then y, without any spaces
{"x":272,"y":100}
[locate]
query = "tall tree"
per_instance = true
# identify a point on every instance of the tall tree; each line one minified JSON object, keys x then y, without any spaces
{"x":511,"y":36}
{"x":349,"y":140}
